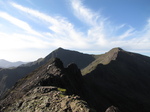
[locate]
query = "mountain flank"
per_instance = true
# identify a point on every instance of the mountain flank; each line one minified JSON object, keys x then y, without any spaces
{"x":102,"y":59}
{"x":68,"y":56}
{"x":11,"y":76}
{"x":120,"y":78}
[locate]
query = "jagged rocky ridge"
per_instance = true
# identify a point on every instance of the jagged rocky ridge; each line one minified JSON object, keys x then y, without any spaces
{"x":8,"y":77}
{"x":50,"y":88}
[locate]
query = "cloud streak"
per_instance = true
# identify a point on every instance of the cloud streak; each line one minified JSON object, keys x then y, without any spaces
{"x":105,"y":35}
{"x":100,"y":33}
{"x":19,"y":23}
{"x":63,"y":32}
{"x":86,"y":15}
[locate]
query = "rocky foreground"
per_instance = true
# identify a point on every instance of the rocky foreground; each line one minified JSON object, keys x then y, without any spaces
{"x":49,"y":99}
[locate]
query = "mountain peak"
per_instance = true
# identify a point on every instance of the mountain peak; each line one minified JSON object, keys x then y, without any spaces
{"x":111,"y":55}
{"x":57,"y":62}
{"x":103,"y":59}
{"x":58,"y":49}
{"x":116,"y":49}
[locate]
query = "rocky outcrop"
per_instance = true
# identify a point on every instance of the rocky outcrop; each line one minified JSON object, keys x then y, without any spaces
{"x":48,"y":99}
{"x":51,"y":88}
{"x":112,"y":109}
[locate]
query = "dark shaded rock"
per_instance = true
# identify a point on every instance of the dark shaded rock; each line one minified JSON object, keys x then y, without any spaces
{"x":112,"y":109}
{"x":74,"y":78}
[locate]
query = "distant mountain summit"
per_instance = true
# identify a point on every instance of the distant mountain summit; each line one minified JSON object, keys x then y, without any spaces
{"x":8,"y":64}
{"x":8,"y":77}
{"x":68,"y":56}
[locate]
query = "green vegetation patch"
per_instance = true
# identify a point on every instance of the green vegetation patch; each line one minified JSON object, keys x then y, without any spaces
{"x":61,"y":89}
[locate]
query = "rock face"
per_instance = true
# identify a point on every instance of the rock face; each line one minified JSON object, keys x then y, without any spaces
{"x":51,"y":88}
{"x":112,"y":109}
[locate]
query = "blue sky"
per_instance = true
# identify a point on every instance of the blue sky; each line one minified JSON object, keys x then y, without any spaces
{"x":30,"y":29}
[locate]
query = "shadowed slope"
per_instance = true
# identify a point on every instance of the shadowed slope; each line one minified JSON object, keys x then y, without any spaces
{"x":68,"y":56}
{"x":102,"y":59}
{"x":120,"y":78}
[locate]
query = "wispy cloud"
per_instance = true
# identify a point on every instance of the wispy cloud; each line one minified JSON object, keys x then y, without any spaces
{"x":104,"y":35}
{"x":21,"y":24}
{"x":63,"y":32}
{"x":101,"y":34}
{"x":85,"y":14}
{"x":95,"y":34}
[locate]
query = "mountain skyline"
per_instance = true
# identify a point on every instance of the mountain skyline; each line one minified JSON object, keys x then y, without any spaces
{"x":7,"y":78}
{"x":8,"y":64}
{"x":31,"y":29}
{"x":82,"y":60}
{"x":116,"y":80}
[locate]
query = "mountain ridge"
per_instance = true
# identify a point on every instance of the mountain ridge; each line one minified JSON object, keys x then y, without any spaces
{"x":124,"y":79}
{"x":118,"y":77}
{"x":103,"y":59}
{"x":67,"y":56}
{"x":53,"y":77}
{"x":8,"y":64}
{"x":112,"y":55}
